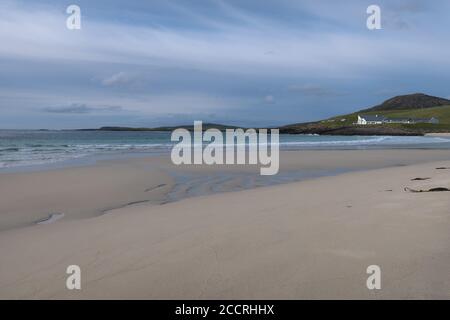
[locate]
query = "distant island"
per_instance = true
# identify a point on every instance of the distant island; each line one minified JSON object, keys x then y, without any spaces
{"x":205,"y":126}
{"x":407,"y":115}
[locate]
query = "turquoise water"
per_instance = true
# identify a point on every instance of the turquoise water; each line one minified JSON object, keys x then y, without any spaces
{"x":29,"y":148}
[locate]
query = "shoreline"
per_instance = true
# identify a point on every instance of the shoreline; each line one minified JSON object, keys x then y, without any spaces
{"x":95,"y":189}
{"x":70,"y":155}
{"x":303,"y":240}
{"x":437,"y":134}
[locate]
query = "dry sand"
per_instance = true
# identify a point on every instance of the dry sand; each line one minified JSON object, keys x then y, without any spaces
{"x":438,"y":134}
{"x":310,"y":239}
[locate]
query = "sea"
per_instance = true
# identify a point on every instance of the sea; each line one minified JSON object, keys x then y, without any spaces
{"x":29,"y":148}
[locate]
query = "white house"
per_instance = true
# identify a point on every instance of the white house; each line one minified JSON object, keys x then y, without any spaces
{"x":370,"y":119}
{"x":377,"y":119}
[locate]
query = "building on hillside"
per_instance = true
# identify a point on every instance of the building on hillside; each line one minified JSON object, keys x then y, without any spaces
{"x":378,"y":119}
{"x":371,"y":119}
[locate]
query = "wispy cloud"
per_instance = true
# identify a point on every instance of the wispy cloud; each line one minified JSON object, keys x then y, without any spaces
{"x":402,"y":15}
{"x":232,"y":48}
{"x":120,"y":78}
{"x":314,"y":90}
{"x":222,"y":57}
{"x":269,"y":99}
{"x":76,"y":108}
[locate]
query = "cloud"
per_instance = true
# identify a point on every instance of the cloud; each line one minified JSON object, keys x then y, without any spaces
{"x":401,"y":15}
{"x":228,"y":46}
{"x":314,"y":90}
{"x":120,"y":78}
{"x":411,"y":6}
{"x":219,"y":57}
{"x":76,"y":108}
{"x":269,"y":99}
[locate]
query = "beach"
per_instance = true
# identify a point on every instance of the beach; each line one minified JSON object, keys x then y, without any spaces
{"x":222,"y":157}
{"x":143,"y":228}
{"x":438,"y":134}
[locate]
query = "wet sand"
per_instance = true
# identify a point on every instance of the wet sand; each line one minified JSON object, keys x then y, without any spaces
{"x":87,"y":191}
{"x":309,"y":239}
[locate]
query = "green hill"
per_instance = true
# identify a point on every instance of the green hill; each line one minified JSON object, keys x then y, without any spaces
{"x":442,"y":113}
{"x":407,"y":106}
{"x":410,"y":101}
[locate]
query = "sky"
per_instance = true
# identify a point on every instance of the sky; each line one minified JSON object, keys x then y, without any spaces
{"x":242,"y":62}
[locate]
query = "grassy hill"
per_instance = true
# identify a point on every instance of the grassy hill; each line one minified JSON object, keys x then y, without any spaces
{"x":410,"y":101}
{"x":442,"y":113}
{"x":397,"y":107}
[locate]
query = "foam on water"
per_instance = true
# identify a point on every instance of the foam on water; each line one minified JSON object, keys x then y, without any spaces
{"x":29,"y":148}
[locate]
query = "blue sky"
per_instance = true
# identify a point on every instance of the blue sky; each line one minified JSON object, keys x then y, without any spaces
{"x":244,"y":62}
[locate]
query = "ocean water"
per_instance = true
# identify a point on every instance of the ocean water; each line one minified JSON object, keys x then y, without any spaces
{"x":30,"y":148}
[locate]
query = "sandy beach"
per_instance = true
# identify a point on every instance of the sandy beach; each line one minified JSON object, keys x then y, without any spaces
{"x":28,"y":198}
{"x":223,"y":156}
{"x":310,"y":239}
{"x":438,"y":134}
{"x":80,"y":192}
